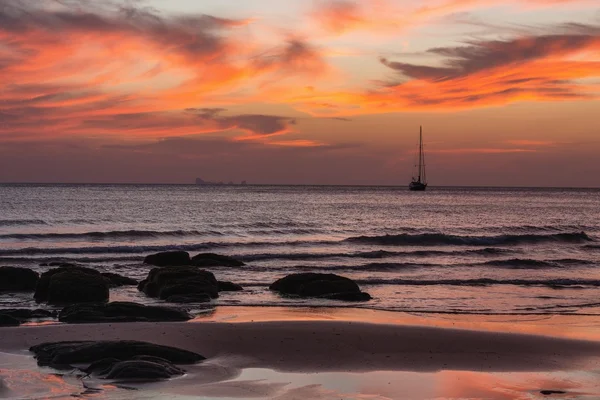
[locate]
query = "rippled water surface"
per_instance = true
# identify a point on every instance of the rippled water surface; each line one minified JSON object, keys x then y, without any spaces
{"x":447,"y":250}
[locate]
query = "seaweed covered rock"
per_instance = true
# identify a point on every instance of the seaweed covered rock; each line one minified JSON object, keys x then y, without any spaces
{"x":166,"y":282}
{"x":66,"y":285}
{"x":120,"y":312}
{"x":60,"y":354}
{"x":311,"y":284}
{"x":215,"y":260}
{"x":168,"y":258}
{"x":18,"y":279}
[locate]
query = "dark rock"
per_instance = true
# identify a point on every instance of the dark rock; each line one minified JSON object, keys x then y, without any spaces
{"x":191,"y":288}
{"x":120,"y":312}
{"x":551,"y":392}
{"x":171,"y":281}
{"x":190,"y":298}
{"x":18,"y":279}
{"x":215,"y":260}
{"x":24,"y":314}
{"x":168,"y":258}
{"x":95,"y":280}
{"x":7,"y":320}
{"x":74,"y":286}
{"x":116,"y":280}
{"x":143,"y":370}
{"x":101,"y":367}
{"x":229,"y":287}
{"x":81,"y":352}
{"x":348,"y":296}
{"x":320,"y":285}
{"x":139,"y":367}
{"x":325,"y":287}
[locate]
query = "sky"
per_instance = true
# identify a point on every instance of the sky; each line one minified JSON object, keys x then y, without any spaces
{"x":300,"y":91}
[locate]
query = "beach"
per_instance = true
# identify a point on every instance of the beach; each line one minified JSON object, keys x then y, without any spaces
{"x":311,"y":348}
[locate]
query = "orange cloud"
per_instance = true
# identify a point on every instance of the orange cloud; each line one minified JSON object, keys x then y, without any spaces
{"x":482,"y":73}
{"x":114,"y":70}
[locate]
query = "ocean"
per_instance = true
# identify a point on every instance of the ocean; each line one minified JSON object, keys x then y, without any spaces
{"x":491,"y":251}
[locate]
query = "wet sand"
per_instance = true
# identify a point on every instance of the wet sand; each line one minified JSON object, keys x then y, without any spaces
{"x":259,"y":357}
{"x":316,"y":346}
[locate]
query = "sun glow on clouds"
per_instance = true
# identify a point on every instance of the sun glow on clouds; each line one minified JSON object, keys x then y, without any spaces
{"x":120,"y":70}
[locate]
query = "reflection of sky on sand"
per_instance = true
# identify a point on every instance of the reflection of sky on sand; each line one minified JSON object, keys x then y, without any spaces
{"x":20,"y":378}
{"x":444,"y":385}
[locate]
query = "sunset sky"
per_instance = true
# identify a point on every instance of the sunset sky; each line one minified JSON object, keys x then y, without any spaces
{"x":300,"y":91}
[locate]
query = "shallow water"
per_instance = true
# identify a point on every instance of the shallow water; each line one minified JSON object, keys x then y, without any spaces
{"x":447,"y":250}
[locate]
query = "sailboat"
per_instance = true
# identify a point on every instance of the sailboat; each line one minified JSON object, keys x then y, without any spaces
{"x":420,"y":183}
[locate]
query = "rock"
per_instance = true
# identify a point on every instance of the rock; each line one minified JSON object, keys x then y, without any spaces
{"x":168,"y":258}
{"x":73,"y":276}
{"x":143,"y":370}
{"x":171,"y":281}
{"x":190,"y":298}
{"x":82,"y":352}
{"x":120,"y":312}
{"x":186,"y":289}
{"x":215,"y":260}
{"x":18,"y":279}
{"x":311,"y":284}
{"x":139,"y":367}
{"x":229,"y":287}
{"x":7,"y":320}
{"x":101,"y":367}
{"x":116,"y":280}
{"x":24,"y":314}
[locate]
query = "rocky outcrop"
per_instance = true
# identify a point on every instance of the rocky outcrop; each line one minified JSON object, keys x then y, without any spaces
{"x":7,"y":320}
{"x":67,"y":285}
{"x":229,"y":287}
{"x":16,"y":279}
{"x":215,"y":260}
{"x":189,"y":298}
{"x":118,"y":360}
{"x":120,"y":312}
{"x":116,"y":280}
{"x":179,"y":281}
{"x":328,"y":286}
{"x":25,"y":314}
{"x":84,"y":352}
{"x":168,"y":258}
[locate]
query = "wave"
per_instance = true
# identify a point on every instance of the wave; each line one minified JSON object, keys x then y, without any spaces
{"x":519,"y":263}
{"x":439,"y":239}
{"x":554,"y":283}
{"x":21,"y":222}
{"x":376,"y":254}
{"x":138,"y":234}
{"x":156,"y":248}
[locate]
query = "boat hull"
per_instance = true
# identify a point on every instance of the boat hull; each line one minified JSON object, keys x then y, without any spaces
{"x":417,"y":186}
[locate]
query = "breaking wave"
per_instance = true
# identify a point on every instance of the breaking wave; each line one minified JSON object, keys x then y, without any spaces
{"x":439,"y":239}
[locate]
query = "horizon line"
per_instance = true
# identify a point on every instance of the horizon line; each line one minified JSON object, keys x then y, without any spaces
{"x":291,"y":184}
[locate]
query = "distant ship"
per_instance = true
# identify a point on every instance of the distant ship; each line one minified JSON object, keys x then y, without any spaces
{"x":420,"y":184}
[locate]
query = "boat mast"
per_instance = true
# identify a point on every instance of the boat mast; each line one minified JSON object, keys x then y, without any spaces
{"x":420,"y":150}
